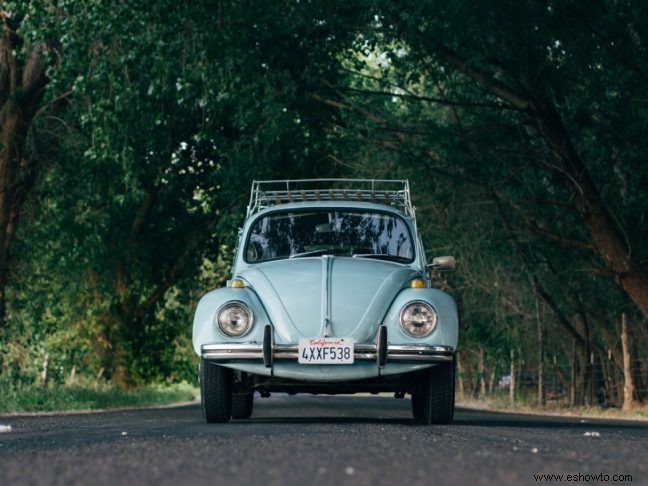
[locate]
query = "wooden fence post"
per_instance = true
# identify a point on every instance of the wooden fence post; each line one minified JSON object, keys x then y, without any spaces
{"x":460,"y":378}
{"x":628,"y":383}
{"x":572,"y":384}
{"x":482,"y":373}
{"x":512,"y":381}
{"x":98,"y":378}
{"x":72,"y":375}
{"x":592,"y":397}
{"x":541,"y":389}
{"x":44,"y":373}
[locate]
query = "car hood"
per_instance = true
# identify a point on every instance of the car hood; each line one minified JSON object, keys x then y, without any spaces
{"x":294,"y":294}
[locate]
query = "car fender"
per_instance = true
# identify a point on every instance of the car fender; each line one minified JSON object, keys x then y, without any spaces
{"x":205,"y":328}
{"x":446,"y":331}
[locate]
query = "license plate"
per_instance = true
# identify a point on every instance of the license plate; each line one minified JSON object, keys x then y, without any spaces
{"x":325,"y":350}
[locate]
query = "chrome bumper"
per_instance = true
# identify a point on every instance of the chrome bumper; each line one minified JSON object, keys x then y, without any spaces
{"x":420,"y":353}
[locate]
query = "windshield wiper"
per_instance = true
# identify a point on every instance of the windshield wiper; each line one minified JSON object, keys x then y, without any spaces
{"x":382,"y":256}
{"x":325,"y":251}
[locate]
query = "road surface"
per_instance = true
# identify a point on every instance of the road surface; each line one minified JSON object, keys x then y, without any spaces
{"x":308,"y":440}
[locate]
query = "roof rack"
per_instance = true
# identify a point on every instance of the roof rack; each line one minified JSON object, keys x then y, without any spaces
{"x":382,"y":191}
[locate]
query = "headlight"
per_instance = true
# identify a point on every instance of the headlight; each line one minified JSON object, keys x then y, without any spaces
{"x":234,"y":318}
{"x":418,"y":319}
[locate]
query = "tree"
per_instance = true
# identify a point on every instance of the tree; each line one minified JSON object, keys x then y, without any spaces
{"x":537,"y":108}
{"x":23,"y":79}
{"x":174,"y":109}
{"x":531,"y":62}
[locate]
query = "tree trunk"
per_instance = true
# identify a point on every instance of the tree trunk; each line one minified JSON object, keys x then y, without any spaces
{"x":22,"y":85}
{"x":605,"y":230}
{"x":607,"y":368}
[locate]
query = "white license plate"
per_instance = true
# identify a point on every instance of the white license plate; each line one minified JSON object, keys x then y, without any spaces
{"x":325,"y":350}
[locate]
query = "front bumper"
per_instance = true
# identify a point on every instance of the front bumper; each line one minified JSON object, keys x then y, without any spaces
{"x":246,"y":352}
{"x":379,"y":365}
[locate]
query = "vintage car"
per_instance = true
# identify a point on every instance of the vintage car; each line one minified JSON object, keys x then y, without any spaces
{"x":330,"y":293}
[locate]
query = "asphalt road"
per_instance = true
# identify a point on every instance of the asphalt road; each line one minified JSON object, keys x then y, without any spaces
{"x":306,"y":440}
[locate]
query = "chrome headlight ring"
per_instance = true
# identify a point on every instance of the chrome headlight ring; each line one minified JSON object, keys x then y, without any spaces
{"x":234,"y":318}
{"x":418,"y":319}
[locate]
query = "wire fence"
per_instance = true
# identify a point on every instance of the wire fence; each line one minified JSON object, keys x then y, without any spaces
{"x":599,"y":383}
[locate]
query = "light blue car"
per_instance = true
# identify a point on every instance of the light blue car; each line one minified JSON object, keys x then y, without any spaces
{"x":330,"y":293}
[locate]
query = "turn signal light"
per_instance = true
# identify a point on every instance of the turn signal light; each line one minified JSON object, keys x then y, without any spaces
{"x":237,"y":283}
{"x":418,"y":283}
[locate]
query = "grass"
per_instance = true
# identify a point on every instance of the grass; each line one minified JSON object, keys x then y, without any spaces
{"x":528,"y":404}
{"x":76,"y":397}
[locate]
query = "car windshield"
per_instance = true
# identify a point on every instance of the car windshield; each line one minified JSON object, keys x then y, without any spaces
{"x":360,"y":234}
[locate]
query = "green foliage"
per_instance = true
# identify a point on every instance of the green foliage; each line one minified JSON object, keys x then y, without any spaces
{"x":170,"y":109}
{"x":424,"y":99}
{"x":75,"y":397}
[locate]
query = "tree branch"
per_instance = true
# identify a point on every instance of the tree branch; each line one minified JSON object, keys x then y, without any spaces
{"x":144,"y":210}
{"x":569,"y":242}
{"x":430,"y":99}
{"x":494,"y":86}
{"x":539,"y":289}
{"x":174,"y":269}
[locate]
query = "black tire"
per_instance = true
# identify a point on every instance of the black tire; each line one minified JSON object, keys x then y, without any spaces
{"x":433,"y":402}
{"x":417,"y":405}
{"x":242,"y":405}
{"x":215,"y":392}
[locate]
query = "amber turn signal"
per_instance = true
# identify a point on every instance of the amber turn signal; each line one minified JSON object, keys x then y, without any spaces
{"x":418,"y":283}
{"x":237,"y":283}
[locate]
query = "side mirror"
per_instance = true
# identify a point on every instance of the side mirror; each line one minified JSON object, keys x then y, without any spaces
{"x":443,"y":264}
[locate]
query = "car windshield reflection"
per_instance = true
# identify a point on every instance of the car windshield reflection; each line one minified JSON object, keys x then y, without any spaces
{"x":359,"y":234}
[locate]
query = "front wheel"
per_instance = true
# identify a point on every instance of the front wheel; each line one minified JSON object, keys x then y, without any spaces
{"x":433,"y":401}
{"x":215,"y":392}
